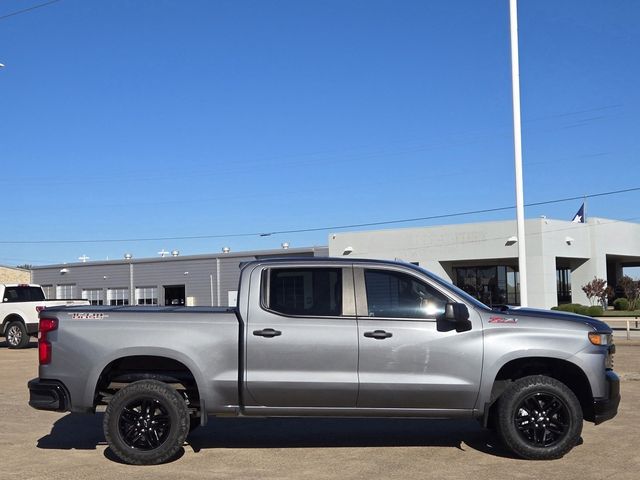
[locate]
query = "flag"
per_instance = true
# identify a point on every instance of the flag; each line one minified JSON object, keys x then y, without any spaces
{"x":579,"y":216}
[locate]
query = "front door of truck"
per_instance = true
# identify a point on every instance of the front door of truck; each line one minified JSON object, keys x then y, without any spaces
{"x":405,"y":362}
{"x":301,"y":338}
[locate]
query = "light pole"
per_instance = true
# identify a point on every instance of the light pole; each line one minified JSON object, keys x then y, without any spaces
{"x":517,"y":141}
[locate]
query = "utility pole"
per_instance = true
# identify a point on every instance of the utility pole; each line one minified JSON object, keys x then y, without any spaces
{"x":517,"y":140}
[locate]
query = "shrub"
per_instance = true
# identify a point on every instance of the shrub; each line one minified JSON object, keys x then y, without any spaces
{"x":621,"y":304}
{"x":631,"y":291}
{"x":597,"y":291}
{"x":573,"y":308}
{"x":595,"y":311}
{"x":582,"y":310}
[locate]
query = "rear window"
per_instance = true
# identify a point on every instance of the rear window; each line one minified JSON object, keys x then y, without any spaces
{"x":306,"y":291}
{"x":23,"y":294}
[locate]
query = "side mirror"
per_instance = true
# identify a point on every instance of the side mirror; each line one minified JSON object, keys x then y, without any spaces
{"x":457,"y":316}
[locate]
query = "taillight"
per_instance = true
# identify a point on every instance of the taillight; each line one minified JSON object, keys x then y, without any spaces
{"x":44,"y":346}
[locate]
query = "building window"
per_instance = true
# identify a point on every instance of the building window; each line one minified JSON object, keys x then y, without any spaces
{"x":66,"y":292}
{"x":147,"y":295}
{"x":118,"y":296}
{"x":48,"y":291}
{"x":94,"y":295}
{"x":492,"y":285}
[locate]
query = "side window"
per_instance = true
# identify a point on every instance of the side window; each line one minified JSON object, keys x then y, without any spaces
{"x":11,"y":295}
{"x":305,"y":291}
{"x":398,"y":295}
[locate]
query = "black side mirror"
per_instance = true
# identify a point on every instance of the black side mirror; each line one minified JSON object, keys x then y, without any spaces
{"x":456,"y":315}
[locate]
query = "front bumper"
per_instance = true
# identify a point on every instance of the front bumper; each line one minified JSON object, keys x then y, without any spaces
{"x":48,"y":395}
{"x":607,"y":407}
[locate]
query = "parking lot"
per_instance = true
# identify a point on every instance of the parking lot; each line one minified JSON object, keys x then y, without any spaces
{"x":36,"y":444}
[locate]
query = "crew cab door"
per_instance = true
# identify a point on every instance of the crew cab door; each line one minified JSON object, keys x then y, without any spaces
{"x":404,"y":361}
{"x":301,"y":338}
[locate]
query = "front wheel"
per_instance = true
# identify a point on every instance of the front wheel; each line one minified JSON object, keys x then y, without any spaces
{"x":16,"y":335}
{"x":146,"y":423}
{"x":539,"y":418}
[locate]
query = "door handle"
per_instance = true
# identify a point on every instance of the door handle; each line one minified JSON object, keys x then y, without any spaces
{"x":267,"y":332}
{"x":378,"y":334}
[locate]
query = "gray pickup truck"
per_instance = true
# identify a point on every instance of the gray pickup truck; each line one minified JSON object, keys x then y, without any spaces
{"x":328,"y":337}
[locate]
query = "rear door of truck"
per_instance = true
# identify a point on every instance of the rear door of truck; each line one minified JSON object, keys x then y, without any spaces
{"x":301,"y":337}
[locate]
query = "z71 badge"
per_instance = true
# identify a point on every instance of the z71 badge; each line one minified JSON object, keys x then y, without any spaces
{"x":503,"y":320}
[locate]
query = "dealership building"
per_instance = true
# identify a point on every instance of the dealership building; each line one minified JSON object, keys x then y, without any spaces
{"x":482,"y":258}
{"x":173,"y":279}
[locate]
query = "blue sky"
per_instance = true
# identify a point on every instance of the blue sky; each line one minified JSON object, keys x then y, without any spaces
{"x":150,"y":119}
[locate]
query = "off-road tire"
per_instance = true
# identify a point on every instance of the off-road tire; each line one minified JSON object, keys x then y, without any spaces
{"x":146,"y":423}
{"x":16,"y":335}
{"x":539,"y":418}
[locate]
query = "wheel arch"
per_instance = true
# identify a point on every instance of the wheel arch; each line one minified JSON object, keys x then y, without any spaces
{"x":560,"y":369}
{"x":12,"y":317}
{"x":129,"y":368}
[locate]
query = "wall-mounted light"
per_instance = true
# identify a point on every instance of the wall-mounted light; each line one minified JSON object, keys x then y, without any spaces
{"x":128,"y":256}
{"x":226,"y":249}
{"x":511,"y":240}
{"x":175,"y":253}
{"x":64,"y":271}
{"x":285,"y":245}
{"x":347,"y":251}
{"x":569,"y":240}
{"x":186,"y":273}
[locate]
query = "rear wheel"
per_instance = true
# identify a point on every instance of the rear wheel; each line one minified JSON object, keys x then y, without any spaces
{"x":16,"y":335}
{"x":146,"y":423}
{"x":539,"y":418}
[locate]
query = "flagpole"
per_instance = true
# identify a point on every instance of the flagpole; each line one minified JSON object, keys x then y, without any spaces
{"x":517,"y":140}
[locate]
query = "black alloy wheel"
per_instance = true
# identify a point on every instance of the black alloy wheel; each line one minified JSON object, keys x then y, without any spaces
{"x":539,"y":418}
{"x":542,"y":419}
{"x":144,"y":424}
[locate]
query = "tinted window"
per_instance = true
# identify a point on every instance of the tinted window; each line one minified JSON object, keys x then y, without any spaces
{"x":23,"y":294}
{"x":398,"y":295}
{"x":306,"y":291}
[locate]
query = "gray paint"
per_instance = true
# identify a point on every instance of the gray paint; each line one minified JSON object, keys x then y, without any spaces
{"x":313,"y":367}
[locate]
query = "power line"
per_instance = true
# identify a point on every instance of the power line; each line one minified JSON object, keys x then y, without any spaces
{"x":315,"y":229}
{"x":25,"y":10}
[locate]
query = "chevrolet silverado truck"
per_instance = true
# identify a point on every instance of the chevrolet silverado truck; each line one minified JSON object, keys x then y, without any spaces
{"x":19,"y":310}
{"x":328,"y":337}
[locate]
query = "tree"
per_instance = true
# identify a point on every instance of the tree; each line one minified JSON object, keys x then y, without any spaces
{"x":26,"y":266}
{"x":631,"y":290}
{"x":597,"y":290}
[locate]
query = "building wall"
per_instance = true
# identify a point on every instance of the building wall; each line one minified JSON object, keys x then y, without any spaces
{"x":14,"y":275}
{"x":587,"y":249}
{"x":208,"y":279}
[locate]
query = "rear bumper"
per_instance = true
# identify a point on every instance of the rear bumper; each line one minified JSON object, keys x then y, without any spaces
{"x":48,"y":395}
{"x":606,"y":408}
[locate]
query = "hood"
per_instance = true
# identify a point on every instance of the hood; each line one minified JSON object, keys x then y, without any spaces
{"x":597,"y":325}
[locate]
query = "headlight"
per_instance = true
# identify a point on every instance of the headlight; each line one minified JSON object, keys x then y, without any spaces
{"x":600,"y":338}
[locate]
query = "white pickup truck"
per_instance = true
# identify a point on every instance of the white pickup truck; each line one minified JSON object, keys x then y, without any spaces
{"x":21,"y":304}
